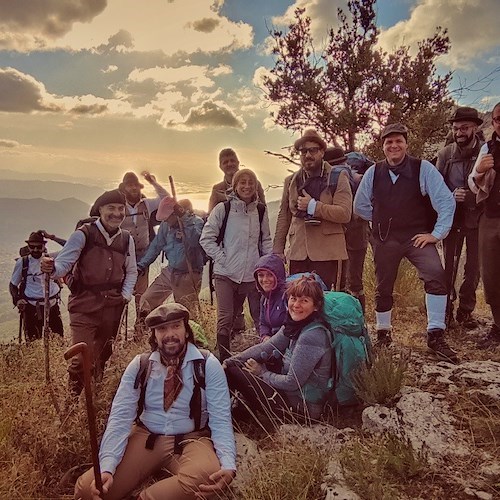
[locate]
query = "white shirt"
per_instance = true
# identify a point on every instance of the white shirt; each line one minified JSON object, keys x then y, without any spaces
{"x":216,"y":404}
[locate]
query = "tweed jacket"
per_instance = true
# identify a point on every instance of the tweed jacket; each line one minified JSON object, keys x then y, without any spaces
{"x":322,"y":242}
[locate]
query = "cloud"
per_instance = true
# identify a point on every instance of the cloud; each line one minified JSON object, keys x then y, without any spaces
{"x":110,"y":69}
{"x":472,"y":28}
{"x":89,"y":109}
{"x":7,"y":143}
{"x":205,"y":25}
{"x":194,"y":75}
{"x":26,"y":24}
{"x":211,"y":115}
{"x":122,"y":25}
{"x":21,"y":93}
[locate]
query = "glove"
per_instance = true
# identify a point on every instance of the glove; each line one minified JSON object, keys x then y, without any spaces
{"x":21,"y":305}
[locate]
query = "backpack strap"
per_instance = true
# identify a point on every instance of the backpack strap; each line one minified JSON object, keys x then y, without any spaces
{"x":222,"y":230}
{"x":261,"y":209}
{"x":24,"y":276}
{"x":141,"y":380}
{"x":199,"y":384}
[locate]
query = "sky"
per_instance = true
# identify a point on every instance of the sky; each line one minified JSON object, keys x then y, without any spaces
{"x":90,"y":89}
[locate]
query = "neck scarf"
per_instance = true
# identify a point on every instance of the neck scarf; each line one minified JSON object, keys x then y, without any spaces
{"x":173,"y":381}
{"x":293,"y":328}
{"x":398,"y":169}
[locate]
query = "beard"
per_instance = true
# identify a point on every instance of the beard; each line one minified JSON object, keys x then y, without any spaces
{"x":36,"y":254}
{"x":173,"y":350}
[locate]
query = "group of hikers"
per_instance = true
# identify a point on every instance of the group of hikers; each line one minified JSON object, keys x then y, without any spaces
{"x":173,"y":407}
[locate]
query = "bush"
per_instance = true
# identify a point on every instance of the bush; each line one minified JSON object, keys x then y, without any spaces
{"x":382,"y":379}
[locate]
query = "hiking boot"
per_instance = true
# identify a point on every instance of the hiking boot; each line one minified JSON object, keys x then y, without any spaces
{"x":437,"y":344}
{"x":465,"y":319}
{"x":492,"y":339}
{"x":384,"y":338}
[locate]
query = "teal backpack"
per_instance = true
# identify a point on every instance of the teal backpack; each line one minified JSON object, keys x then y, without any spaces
{"x":350,"y":344}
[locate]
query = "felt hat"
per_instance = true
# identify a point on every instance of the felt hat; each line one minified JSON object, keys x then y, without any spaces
{"x":166,"y":208}
{"x":36,"y":237}
{"x":113,"y":196}
{"x":334,"y":156}
{"x":130,"y":178}
{"x":310,"y":135}
{"x":466,"y":114}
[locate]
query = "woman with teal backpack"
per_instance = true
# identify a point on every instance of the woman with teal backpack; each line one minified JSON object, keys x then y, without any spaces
{"x":302,"y":387}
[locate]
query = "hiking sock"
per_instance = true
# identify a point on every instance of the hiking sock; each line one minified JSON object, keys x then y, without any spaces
{"x":436,"y":311}
{"x":383,"y":320}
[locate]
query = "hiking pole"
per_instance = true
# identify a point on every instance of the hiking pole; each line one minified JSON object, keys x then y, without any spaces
{"x":83,"y":349}
{"x":186,"y":253}
{"x":457,"y":252}
{"x":21,"y":325}
{"x":46,"y":326}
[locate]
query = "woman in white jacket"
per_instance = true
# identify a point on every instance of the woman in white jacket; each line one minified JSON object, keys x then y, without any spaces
{"x":246,"y":238}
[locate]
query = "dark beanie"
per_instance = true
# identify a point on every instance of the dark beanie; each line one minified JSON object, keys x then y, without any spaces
{"x":114,"y":196}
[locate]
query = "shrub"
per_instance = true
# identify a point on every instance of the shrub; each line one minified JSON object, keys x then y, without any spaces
{"x":382,"y":379}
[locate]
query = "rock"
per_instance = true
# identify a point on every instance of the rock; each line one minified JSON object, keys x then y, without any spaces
{"x":246,"y":453}
{"x":491,"y":471}
{"x":483,"y":495}
{"x":338,"y":492}
{"x":421,"y":418}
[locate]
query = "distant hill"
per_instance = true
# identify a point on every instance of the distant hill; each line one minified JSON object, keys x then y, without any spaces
{"x":49,"y":190}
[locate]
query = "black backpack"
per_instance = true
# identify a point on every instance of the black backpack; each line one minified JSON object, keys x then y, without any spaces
{"x":144,"y":372}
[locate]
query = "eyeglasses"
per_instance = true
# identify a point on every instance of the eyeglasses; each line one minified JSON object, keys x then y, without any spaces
{"x":496,"y":119}
{"x":35,"y":247}
{"x":313,"y":150}
{"x":463,"y":128}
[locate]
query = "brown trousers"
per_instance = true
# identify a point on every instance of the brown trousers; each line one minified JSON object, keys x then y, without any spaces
{"x":190,"y":469}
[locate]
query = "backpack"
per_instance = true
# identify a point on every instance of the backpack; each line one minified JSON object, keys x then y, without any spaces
{"x":335,"y":174}
{"x":141,"y":380}
{"x":345,"y":325}
{"x":297,"y":276}
{"x":261,"y":209}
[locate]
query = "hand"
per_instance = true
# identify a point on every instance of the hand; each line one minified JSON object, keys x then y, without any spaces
{"x":303,"y":201}
{"x":21,"y":305}
{"x":107,"y":481}
{"x":485,"y":164}
{"x":459,"y":194}
{"x":148,"y":176}
{"x":253,"y":367}
{"x":218,"y":482}
{"x":420,"y":240}
{"x":47,"y":235}
{"x":47,"y":265}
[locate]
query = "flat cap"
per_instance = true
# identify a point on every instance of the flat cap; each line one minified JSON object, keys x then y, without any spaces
{"x":166,"y":313}
{"x":310,"y":135}
{"x":394,"y":128}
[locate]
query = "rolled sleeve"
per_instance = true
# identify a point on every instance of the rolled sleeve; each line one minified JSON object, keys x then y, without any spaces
{"x":363,"y":206}
{"x":130,"y":271}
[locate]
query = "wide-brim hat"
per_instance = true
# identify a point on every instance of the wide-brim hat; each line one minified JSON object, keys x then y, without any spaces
{"x":334,"y":156}
{"x":130,"y":178}
{"x":310,"y":135}
{"x":166,"y":313}
{"x":36,"y":237}
{"x":165,"y":208}
{"x":466,"y":114}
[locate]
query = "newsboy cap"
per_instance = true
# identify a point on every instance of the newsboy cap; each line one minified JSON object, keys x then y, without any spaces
{"x":166,"y":313}
{"x":36,"y":237}
{"x":466,"y":114}
{"x":113,"y":196}
{"x":394,"y":128}
{"x":310,"y":135}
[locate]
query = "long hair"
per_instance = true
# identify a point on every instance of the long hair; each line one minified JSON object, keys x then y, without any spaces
{"x":154,"y":344}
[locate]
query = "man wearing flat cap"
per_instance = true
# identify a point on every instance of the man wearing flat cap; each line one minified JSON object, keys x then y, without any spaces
{"x":455,"y":162}
{"x":162,"y":419}
{"x":139,"y":221}
{"x":311,"y":215}
{"x":100,"y":258}
{"x":27,"y":288}
{"x":180,"y":277}
{"x":401,"y":196}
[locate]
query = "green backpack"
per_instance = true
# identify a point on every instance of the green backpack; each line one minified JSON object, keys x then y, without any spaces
{"x":350,"y":344}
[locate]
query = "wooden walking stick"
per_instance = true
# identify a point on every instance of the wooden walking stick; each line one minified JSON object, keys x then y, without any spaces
{"x":186,"y":253}
{"x":46,"y":326}
{"x":21,"y":326}
{"x":83,"y":349}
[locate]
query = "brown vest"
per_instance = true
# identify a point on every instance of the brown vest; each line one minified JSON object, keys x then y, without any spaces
{"x":99,"y":271}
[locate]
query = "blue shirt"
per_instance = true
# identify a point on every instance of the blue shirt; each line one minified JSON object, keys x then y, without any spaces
{"x":216,"y":404}
{"x":431,"y":184}
{"x":169,"y":240}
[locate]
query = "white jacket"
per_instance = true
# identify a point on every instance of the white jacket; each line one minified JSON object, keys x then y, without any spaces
{"x":237,"y":255}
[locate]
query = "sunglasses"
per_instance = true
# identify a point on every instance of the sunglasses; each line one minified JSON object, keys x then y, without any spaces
{"x":35,"y":247}
{"x":313,"y":151}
